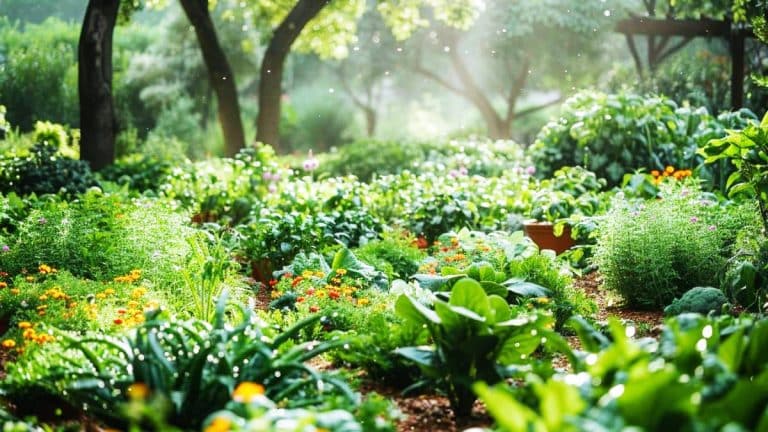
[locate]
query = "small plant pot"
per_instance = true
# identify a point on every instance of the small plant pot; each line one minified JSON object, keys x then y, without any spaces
{"x":542,"y":233}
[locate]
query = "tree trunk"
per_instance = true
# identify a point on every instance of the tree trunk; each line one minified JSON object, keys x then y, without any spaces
{"x":219,"y":74}
{"x":271,"y":74}
{"x":98,"y":125}
{"x":370,"y":121}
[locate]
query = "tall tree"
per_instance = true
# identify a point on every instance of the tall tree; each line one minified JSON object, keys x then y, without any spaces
{"x":219,"y":74}
{"x":512,"y":49}
{"x":271,"y":78}
{"x":98,"y":126}
{"x":333,"y":29}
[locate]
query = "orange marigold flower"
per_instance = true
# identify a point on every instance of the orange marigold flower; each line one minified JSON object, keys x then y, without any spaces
{"x":655,"y":173}
{"x":118,"y":321}
{"x":219,"y":424}
{"x":25,"y":325}
{"x":669,"y":169}
{"x":247,"y":391}
{"x":3,"y":285}
{"x":9,"y":343}
{"x":138,"y":391}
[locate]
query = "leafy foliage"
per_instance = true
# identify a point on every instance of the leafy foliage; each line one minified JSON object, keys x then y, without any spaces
{"x":592,"y":132}
{"x":193,"y":364}
{"x":474,"y":335}
{"x":704,"y":374}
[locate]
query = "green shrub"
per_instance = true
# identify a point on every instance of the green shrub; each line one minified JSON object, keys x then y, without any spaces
{"x":138,"y":172}
{"x":44,"y":171}
{"x":367,"y":158}
{"x":613,"y":134}
{"x":654,"y":251}
{"x":102,"y":236}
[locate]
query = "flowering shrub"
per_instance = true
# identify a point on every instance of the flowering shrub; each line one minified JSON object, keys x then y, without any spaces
{"x":654,"y":251}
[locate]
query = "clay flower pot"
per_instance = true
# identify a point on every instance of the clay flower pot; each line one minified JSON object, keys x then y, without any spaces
{"x":542,"y":233}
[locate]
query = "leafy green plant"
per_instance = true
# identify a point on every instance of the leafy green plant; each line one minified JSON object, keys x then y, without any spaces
{"x":593,"y":131}
{"x":195,"y":365}
{"x":570,"y":191}
{"x":747,"y":149}
{"x":473,"y":336}
{"x":395,"y":254}
{"x":651,"y":252}
{"x":704,"y":374}
{"x":45,"y":171}
{"x":209,"y":268}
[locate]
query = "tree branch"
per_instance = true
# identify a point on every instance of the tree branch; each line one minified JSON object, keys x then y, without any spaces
{"x":533,"y":109}
{"x":517,"y":88}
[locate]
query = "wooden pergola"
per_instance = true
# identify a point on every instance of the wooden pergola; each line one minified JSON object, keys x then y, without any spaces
{"x":661,"y":31}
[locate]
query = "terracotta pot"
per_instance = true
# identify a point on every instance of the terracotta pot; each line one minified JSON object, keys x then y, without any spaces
{"x":542,"y":233}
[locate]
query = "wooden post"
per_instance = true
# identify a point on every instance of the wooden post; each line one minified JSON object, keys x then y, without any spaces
{"x":737,"y":69}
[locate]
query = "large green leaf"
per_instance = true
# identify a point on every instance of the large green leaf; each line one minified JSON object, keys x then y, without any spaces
{"x":522,"y":288}
{"x":558,"y":401}
{"x":435,"y":282}
{"x":499,"y":309}
{"x":410,"y":309}
{"x":469,"y":294}
{"x":423,"y":356}
{"x":510,"y":415}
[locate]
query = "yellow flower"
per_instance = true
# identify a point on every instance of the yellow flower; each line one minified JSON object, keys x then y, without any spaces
{"x":669,"y":169}
{"x":29,"y":334}
{"x":9,"y":343}
{"x":363,"y":301}
{"x":138,"y":391}
{"x":25,"y":325}
{"x":219,"y":424}
{"x":542,"y":300}
{"x":246,"y":392}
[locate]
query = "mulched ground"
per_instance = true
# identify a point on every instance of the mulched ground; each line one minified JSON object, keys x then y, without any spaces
{"x":610,"y":305}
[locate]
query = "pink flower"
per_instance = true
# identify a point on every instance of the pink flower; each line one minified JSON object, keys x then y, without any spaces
{"x":712,"y":228}
{"x":6,"y":248}
{"x":531,"y":170}
{"x":311,"y":163}
{"x":272,"y":188}
{"x":694,"y":219}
